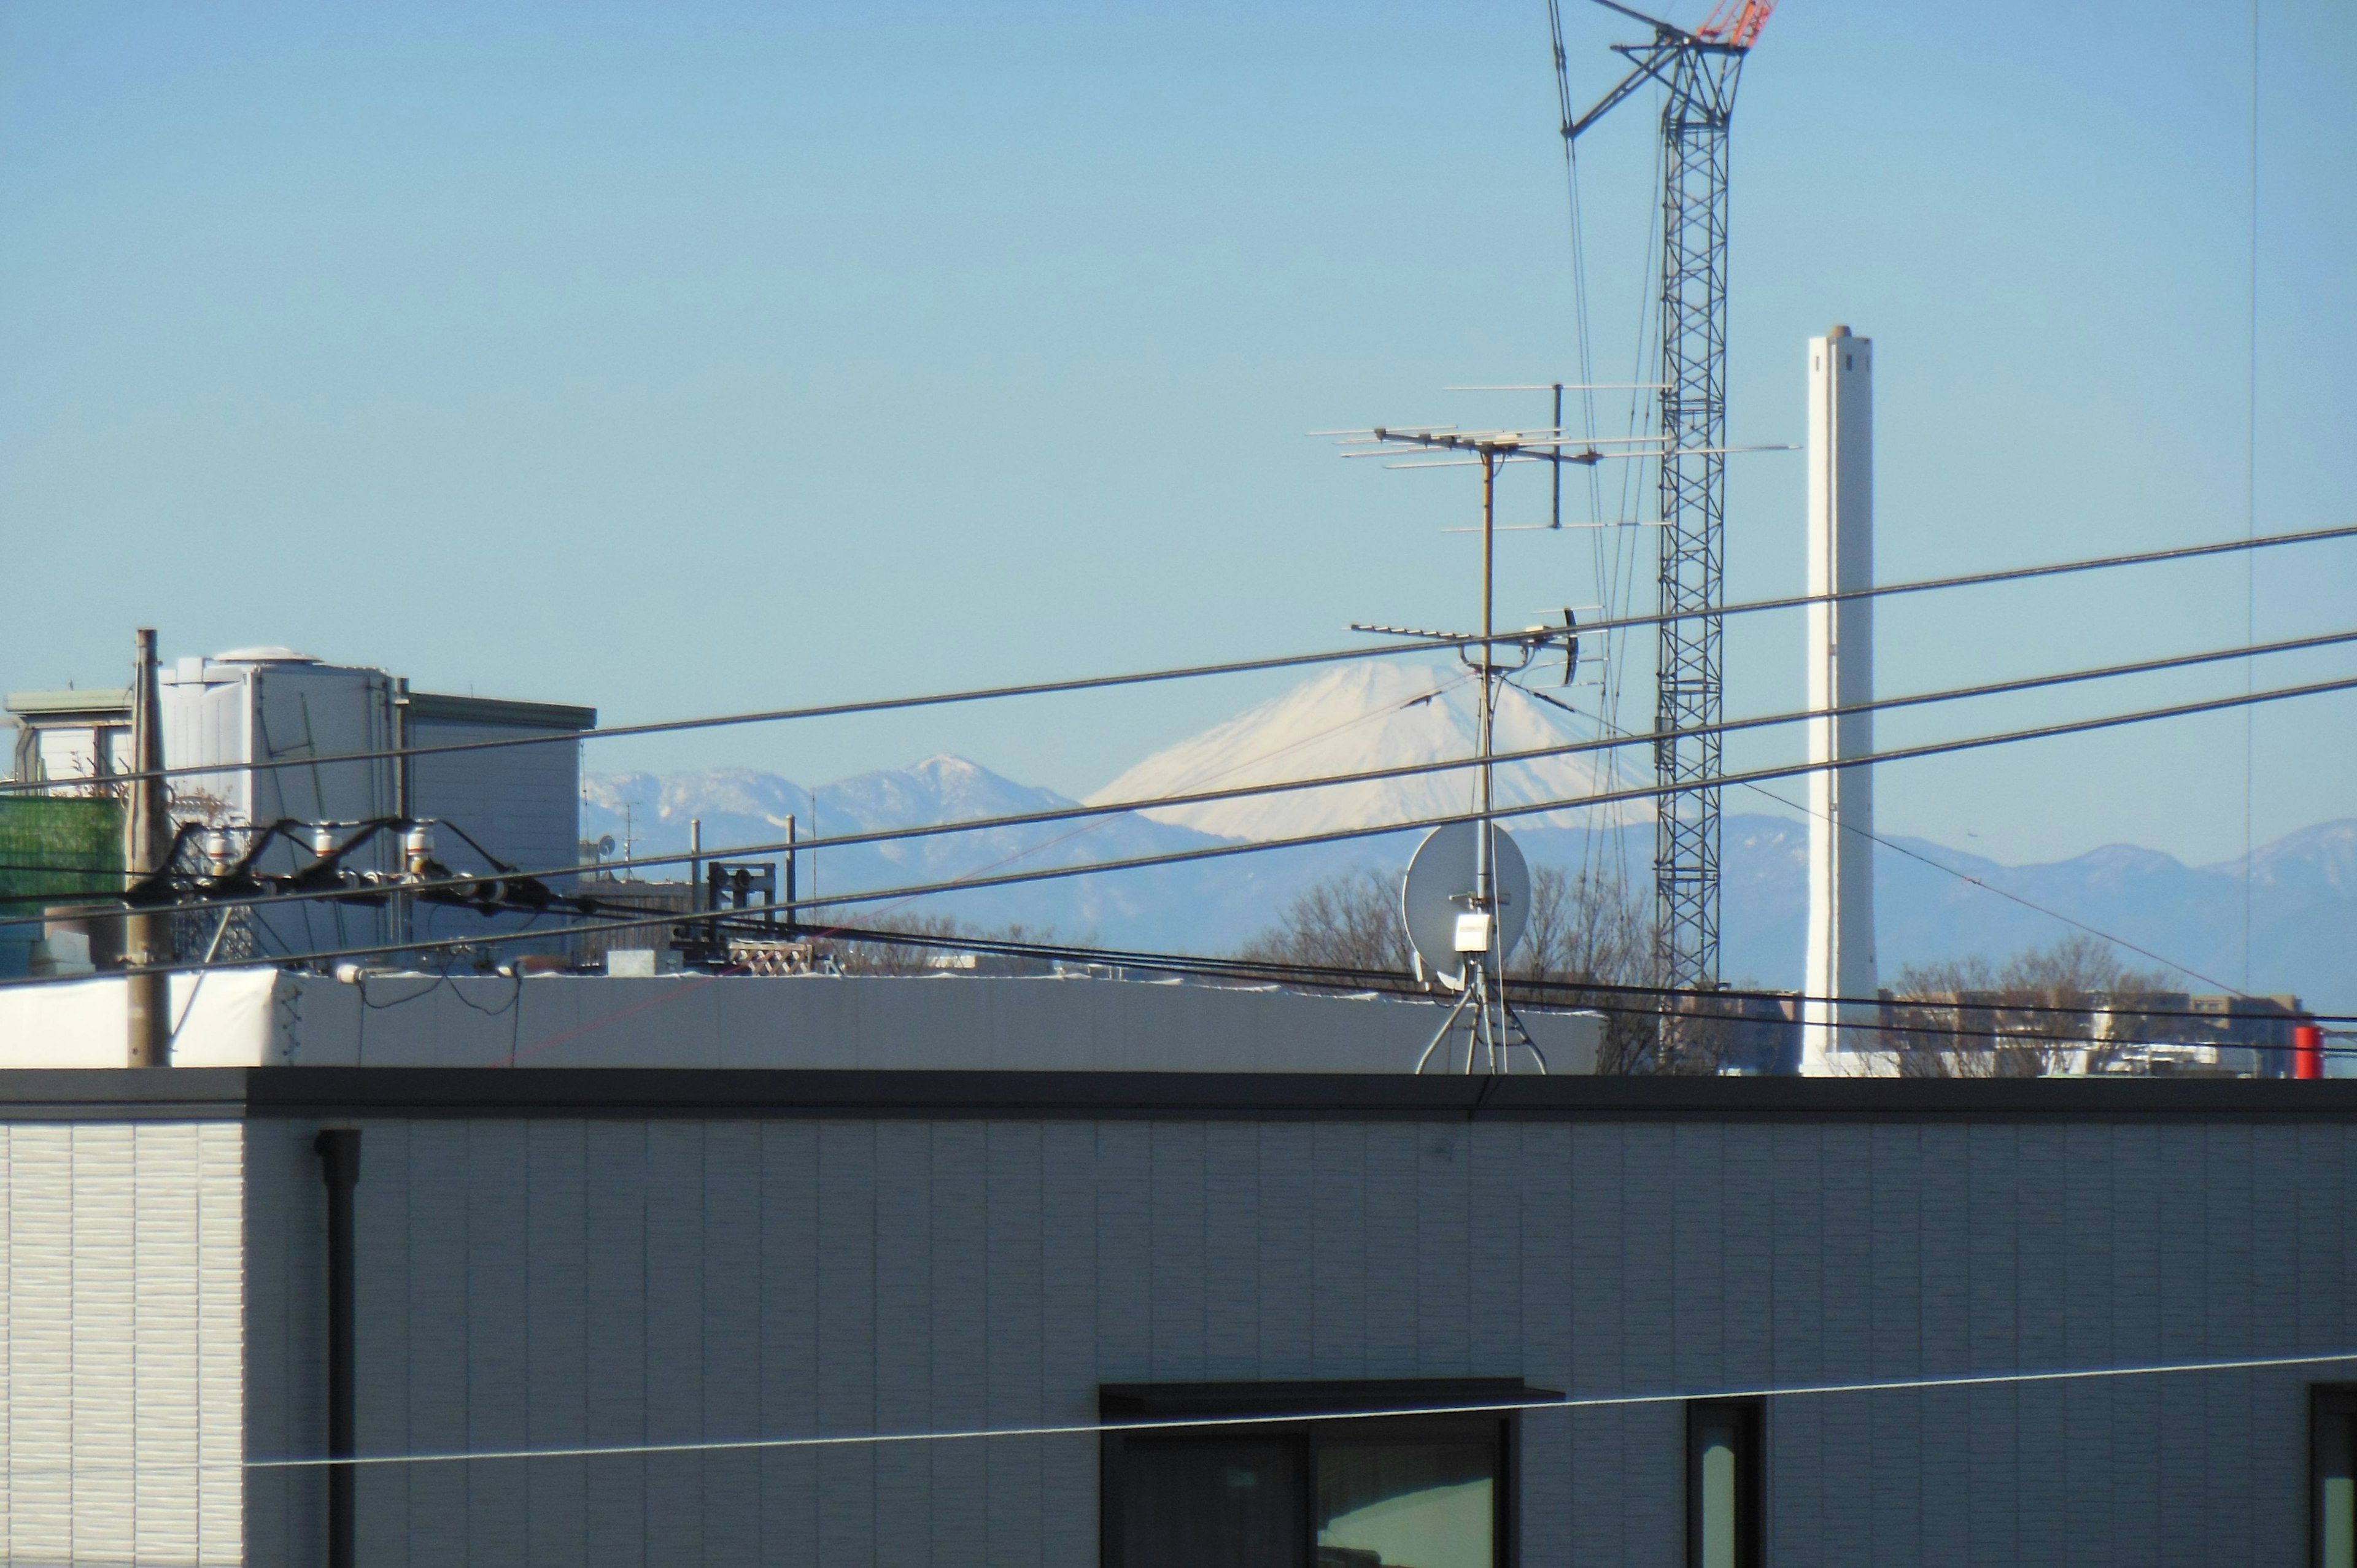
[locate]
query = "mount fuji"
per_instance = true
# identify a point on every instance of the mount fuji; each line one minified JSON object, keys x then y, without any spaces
{"x":1360,"y":716}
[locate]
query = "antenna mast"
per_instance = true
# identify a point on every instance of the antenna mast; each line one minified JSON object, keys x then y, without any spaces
{"x":1486,"y":926}
{"x":1698,"y":72}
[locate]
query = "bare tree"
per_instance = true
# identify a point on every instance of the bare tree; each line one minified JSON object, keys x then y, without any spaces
{"x":1350,"y":921}
{"x":1592,"y":929}
{"x":1585,"y":928}
{"x":2041,"y":1011}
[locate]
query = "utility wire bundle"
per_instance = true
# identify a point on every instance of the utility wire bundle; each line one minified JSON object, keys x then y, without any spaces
{"x":223,"y":878}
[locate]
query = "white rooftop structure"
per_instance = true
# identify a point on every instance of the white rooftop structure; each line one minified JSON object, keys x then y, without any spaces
{"x":253,"y":719}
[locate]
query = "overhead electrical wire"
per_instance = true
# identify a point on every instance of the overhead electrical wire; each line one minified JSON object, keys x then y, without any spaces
{"x":1538,"y":992}
{"x":1576,"y":993}
{"x":1535,"y":991}
{"x":1201,"y":1422}
{"x":1198,"y":1423}
{"x":1582,"y":995}
{"x":1964,"y":877}
{"x":1269,"y":789}
{"x":1985,"y":886}
{"x":1339,"y":835}
{"x":1423,"y":642}
{"x":1227,"y":793}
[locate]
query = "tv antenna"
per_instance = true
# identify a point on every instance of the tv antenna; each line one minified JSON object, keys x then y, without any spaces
{"x":1467,"y":897}
{"x":1473,"y":902}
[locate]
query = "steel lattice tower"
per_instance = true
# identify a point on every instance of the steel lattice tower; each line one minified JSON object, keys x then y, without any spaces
{"x":1701,"y":99}
{"x":1699,"y":73}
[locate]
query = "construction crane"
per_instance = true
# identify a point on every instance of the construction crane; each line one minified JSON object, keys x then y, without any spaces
{"x":1697,"y":72}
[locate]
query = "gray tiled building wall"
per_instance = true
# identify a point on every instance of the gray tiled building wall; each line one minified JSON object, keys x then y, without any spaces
{"x":520,"y":803}
{"x":557,"y":1282}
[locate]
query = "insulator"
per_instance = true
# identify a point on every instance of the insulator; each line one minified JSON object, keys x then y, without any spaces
{"x":323,"y":841}
{"x":417,"y":847}
{"x":220,"y":854}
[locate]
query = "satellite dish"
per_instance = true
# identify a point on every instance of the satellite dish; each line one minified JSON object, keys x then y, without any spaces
{"x":1439,"y":887}
{"x":606,"y":843}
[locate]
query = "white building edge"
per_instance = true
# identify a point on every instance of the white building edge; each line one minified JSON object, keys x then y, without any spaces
{"x":270,"y":1017}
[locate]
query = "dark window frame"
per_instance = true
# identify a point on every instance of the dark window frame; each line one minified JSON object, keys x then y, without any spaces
{"x":1751,"y":1421}
{"x":1282,"y":1406}
{"x":2329,"y":1405}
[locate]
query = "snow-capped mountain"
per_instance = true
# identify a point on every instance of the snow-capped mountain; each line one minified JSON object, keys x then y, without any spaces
{"x":1161,"y":906}
{"x":1353,"y":717}
{"x":1932,"y":902}
{"x":652,"y":812}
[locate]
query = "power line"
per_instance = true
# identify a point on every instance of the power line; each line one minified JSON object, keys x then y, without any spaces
{"x":1099,"y":1428}
{"x":1987,"y":887}
{"x":1201,"y":1422}
{"x":1340,"y":835}
{"x":1577,"y":994}
{"x":1540,"y":992}
{"x":1964,"y":877}
{"x":1572,"y":993}
{"x":1326,"y":836}
{"x":1107,"y":809}
{"x":1431,"y":642}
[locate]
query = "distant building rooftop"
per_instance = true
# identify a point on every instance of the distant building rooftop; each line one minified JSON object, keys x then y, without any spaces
{"x":436,"y":706}
{"x":91,"y":701}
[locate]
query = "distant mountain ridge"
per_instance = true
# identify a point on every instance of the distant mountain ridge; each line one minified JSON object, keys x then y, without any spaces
{"x":1174,"y":907}
{"x":2303,"y":894}
{"x":1933,"y":902}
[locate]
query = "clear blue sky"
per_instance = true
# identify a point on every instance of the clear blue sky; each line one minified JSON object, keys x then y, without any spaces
{"x":689,"y":357}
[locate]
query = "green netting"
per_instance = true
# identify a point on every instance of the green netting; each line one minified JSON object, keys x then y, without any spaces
{"x":58,"y":850}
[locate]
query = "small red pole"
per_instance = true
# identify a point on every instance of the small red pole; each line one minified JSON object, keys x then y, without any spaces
{"x":2307,"y":1050}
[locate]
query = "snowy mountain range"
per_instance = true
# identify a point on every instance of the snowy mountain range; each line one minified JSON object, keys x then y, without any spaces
{"x":1932,"y":902}
{"x":1169,"y":908}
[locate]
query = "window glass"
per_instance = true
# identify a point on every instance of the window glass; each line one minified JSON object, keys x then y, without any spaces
{"x":2339,"y":1522}
{"x":2333,"y":1449}
{"x":1406,"y":1504}
{"x":1715,"y":1494}
{"x":1723,"y":1501}
{"x":1191,"y":1504}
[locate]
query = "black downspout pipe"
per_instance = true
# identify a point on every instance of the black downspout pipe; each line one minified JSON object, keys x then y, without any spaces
{"x":338,"y":1149}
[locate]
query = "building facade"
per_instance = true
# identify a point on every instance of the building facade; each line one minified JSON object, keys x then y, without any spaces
{"x":591,"y":1265}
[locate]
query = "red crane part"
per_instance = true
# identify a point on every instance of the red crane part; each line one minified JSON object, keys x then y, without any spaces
{"x":1736,"y":22}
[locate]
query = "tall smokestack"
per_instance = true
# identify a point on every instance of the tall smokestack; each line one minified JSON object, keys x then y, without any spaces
{"x":1841,"y":674}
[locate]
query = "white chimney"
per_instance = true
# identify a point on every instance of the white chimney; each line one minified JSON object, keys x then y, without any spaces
{"x":1841,"y":674}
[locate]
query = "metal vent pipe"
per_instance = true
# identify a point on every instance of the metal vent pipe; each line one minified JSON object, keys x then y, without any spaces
{"x":338,"y":1149}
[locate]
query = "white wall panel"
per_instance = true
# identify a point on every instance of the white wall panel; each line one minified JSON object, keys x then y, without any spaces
{"x":122,"y":1330}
